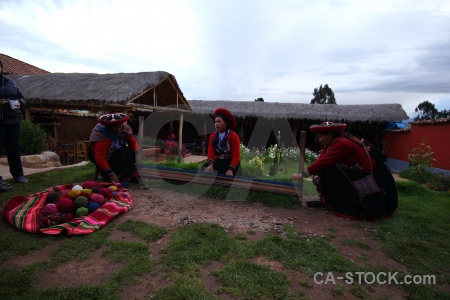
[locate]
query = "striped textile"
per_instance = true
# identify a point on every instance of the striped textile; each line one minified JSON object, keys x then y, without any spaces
{"x":23,"y":212}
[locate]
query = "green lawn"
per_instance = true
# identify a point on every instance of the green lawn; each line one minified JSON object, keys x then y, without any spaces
{"x":417,"y":237}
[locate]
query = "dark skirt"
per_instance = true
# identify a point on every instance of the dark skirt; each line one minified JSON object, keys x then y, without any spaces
{"x":338,"y":194}
{"x":222,"y":166}
{"x":123,"y":163}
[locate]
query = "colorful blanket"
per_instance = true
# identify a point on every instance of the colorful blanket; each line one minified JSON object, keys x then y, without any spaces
{"x":24,"y":212}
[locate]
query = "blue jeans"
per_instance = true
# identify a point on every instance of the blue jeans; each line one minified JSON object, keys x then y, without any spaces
{"x":9,"y":140}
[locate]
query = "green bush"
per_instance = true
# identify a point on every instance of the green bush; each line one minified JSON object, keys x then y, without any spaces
{"x":32,"y":138}
{"x":251,"y":170}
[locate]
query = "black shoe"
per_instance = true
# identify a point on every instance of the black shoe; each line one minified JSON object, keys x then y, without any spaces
{"x":4,"y":186}
{"x":315,"y":203}
{"x":21,"y":179}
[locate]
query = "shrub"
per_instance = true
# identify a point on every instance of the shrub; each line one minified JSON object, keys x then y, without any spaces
{"x":32,"y":138}
{"x":419,"y":161}
{"x":251,"y":170}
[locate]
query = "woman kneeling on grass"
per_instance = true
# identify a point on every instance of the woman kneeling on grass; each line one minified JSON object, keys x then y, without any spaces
{"x":344,"y":159}
{"x":113,"y":148}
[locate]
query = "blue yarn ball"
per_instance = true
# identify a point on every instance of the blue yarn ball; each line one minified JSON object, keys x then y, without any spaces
{"x":92,"y":206}
{"x":125,"y":185}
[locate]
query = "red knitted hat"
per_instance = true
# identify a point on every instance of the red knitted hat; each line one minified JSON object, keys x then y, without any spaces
{"x":113,"y":119}
{"x":230,"y":120}
{"x":327,"y":127}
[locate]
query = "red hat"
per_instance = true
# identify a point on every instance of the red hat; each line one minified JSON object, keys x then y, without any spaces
{"x":113,"y":119}
{"x":230,"y":120}
{"x":328,"y":127}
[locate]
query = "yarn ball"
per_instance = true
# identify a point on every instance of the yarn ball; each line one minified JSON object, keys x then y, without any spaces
{"x":96,"y":189}
{"x":93,"y":206}
{"x":73,"y":194}
{"x":88,"y":184}
{"x":84,"y":194}
{"x":113,"y":187}
{"x":49,"y":209}
{"x":52,"y":197}
{"x":98,"y":198}
{"x":81,"y":201}
{"x":65,"y":205}
{"x":82,"y":211}
{"x":86,"y":191}
{"x":77,"y":188}
{"x":106,"y":192}
{"x":125,"y":185}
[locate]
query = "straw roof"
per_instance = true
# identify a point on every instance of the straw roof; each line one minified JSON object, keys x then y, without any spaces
{"x":125,"y":91}
{"x":372,"y":113}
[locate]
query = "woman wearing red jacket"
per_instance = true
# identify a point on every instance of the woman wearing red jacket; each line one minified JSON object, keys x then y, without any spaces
{"x":224,"y":152}
{"x":113,"y":148}
{"x":344,"y":159}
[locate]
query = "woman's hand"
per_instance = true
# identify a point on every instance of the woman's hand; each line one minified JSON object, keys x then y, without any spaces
{"x":209,"y":169}
{"x":229,"y":173}
{"x":113,"y":177}
{"x":297,"y":176}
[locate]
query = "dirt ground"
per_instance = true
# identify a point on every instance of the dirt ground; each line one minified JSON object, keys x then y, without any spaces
{"x":172,"y":210}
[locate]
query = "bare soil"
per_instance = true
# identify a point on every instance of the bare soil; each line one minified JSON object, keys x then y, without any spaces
{"x":172,"y":210}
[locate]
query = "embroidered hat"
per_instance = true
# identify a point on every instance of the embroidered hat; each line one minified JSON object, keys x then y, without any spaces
{"x":328,"y":127}
{"x":113,"y":119}
{"x":230,"y":120}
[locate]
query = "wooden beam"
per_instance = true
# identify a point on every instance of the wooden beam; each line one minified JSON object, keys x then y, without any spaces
{"x":201,"y":178}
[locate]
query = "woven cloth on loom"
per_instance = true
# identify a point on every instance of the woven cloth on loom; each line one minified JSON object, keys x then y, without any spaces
{"x":23,"y":212}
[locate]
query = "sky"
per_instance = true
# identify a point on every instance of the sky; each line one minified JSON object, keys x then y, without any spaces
{"x":368,"y":52}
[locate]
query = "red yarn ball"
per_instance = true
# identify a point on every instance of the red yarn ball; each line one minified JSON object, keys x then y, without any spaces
{"x":88,"y":184}
{"x":65,"y":205}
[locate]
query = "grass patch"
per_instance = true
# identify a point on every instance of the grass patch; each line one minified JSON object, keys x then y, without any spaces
{"x":183,"y":287}
{"x":355,"y":243}
{"x":252,"y":281}
{"x":200,"y":243}
{"x":143,"y":230}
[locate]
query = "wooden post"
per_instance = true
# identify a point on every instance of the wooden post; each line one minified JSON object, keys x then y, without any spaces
{"x":204,"y":140}
{"x":140,"y":140}
{"x":301,"y":165}
{"x":180,"y":135}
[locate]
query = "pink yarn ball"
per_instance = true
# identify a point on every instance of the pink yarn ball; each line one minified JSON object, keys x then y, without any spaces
{"x":65,"y":205}
{"x":49,"y":209}
{"x":98,"y":198}
{"x":89,"y":184}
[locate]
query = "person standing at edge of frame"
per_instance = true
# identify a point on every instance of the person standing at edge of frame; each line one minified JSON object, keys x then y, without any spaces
{"x":12,"y":104}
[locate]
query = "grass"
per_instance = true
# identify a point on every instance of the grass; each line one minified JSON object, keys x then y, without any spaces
{"x":417,"y":237}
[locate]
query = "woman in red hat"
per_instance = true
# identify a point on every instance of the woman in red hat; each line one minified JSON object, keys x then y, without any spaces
{"x":344,"y":159}
{"x":113,"y":148}
{"x":224,"y":145}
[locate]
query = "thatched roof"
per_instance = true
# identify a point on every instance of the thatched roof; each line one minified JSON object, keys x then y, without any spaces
{"x":371,"y":113}
{"x":94,"y":92}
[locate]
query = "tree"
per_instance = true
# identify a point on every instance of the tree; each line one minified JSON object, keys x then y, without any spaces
{"x":259,"y":99}
{"x":323,"y":95}
{"x":426,"y":111}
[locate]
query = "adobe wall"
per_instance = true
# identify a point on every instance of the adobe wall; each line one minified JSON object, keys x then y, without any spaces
{"x":399,"y":144}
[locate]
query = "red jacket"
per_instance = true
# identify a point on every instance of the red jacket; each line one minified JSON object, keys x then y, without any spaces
{"x":233,"y":146}
{"x":342,"y":150}
{"x":101,"y":149}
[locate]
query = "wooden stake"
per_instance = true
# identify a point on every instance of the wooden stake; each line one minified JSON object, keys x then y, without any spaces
{"x":301,"y":165}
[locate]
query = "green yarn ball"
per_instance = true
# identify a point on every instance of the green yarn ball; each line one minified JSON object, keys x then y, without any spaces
{"x":82,"y":211}
{"x":81,"y":201}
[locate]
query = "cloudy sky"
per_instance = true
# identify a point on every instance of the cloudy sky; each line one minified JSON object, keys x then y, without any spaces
{"x":368,"y":52}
